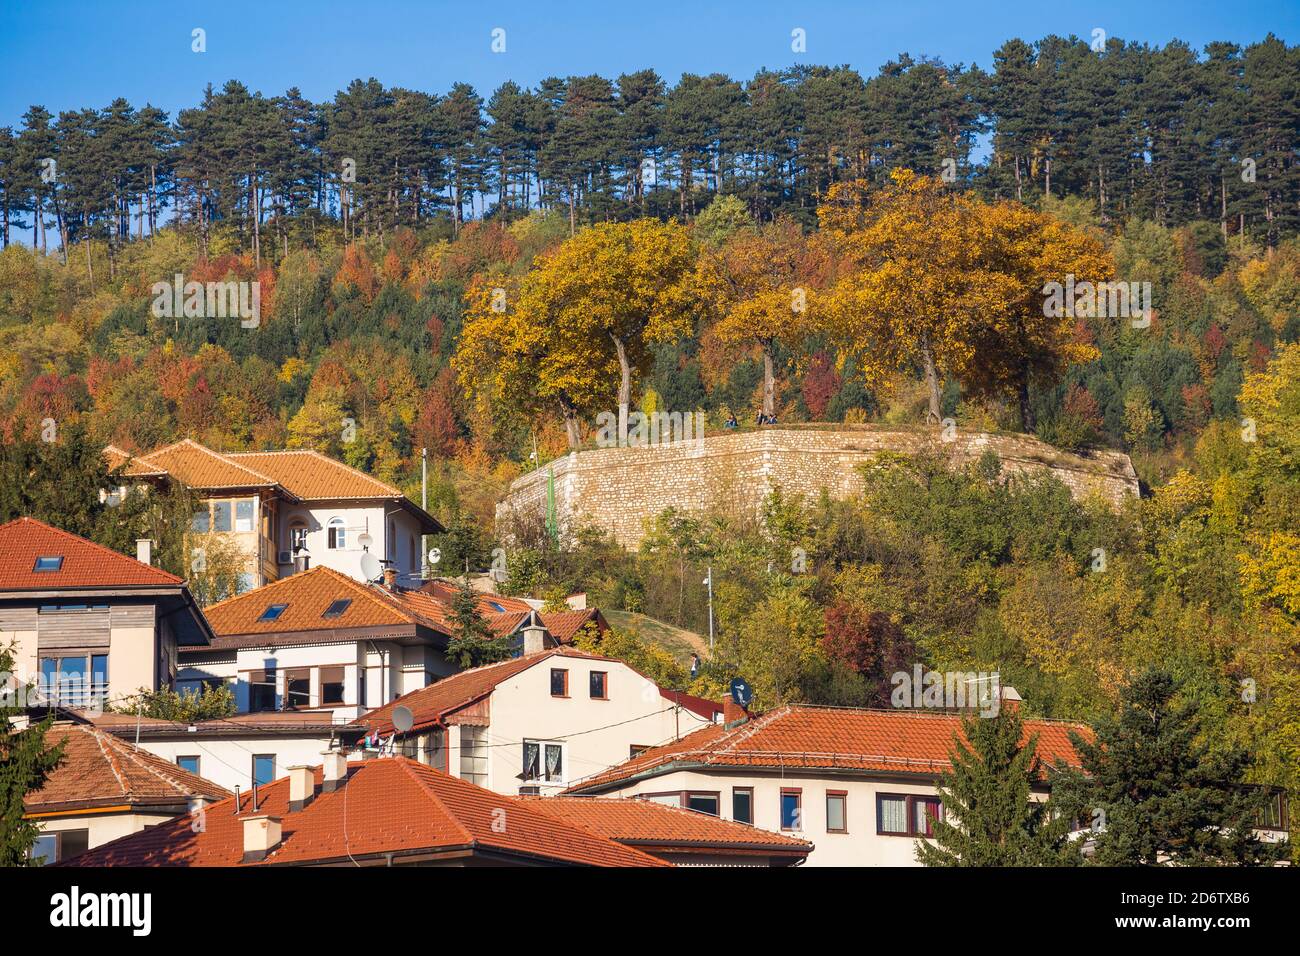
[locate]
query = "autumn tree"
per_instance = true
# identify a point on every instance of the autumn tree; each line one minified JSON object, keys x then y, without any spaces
{"x":759,"y":282}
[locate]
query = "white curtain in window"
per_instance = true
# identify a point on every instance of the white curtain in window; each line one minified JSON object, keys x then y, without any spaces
{"x":893,"y":815}
{"x":553,"y":768}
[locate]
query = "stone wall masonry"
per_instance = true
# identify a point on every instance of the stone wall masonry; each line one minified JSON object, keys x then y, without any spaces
{"x":621,"y":489}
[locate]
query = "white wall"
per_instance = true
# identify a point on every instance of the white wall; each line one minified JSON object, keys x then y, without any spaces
{"x":860,"y":846}
{"x":595,"y":734}
{"x":229,"y":761}
{"x":357,"y":519}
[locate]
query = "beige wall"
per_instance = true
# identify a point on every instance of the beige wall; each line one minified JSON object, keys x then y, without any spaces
{"x":618,"y":489}
{"x":103,"y":827}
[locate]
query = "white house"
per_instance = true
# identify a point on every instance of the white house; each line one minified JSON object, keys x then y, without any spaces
{"x":538,"y":722}
{"x":288,"y":511}
{"x":860,"y":784}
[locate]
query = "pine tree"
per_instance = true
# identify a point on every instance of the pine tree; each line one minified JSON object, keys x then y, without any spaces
{"x":989,"y":817}
{"x":1158,"y":793}
{"x":26,"y":762}
{"x":472,"y":643}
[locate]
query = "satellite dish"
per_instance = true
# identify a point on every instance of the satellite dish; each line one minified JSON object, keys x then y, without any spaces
{"x":370,"y":566}
{"x":741,"y":692}
{"x":403,"y":719}
{"x":365,"y":540}
{"x":435,"y":555}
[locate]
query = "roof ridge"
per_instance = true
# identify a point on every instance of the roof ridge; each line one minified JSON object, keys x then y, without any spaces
{"x":321,"y":569}
{"x":407,"y":765}
{"x":208,"y":451}
{"x":101,"y":738}
{"x":136,"y":756}
{"x":333,"y":461}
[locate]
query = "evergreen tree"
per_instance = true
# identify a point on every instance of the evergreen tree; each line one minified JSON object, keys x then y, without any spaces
{"x":1157,"y":792}
{"x":472,"y":643}
{"x":989,"y":817}
{"x":26,"y":762}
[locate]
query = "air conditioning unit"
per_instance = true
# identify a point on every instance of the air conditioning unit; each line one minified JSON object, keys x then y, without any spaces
{"x":285,"y":557}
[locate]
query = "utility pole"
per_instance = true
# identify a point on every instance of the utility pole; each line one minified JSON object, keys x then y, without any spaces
{"x":424,"y":505}
{"x":709,"y":582}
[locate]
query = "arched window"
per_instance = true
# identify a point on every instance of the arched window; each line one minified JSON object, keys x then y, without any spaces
{"x":337,"y":535}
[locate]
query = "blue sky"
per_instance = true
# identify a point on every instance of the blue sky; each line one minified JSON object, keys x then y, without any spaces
{"x":84,"y":53}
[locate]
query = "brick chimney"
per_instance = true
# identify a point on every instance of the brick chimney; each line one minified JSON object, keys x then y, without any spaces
{"x":302,"y":787}
{"x":335,"y":767}
{"x":261,"y":836}
{"x":144,"y":550}
{"x":733,"y":715}
{"x":390,"y":578}
{"x":1010,"y":699}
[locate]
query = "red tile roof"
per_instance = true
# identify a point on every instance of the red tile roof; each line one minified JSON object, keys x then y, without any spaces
{"x":311,"y":476}
{"x":431,"y":704}
{"x":826,"y":738}
{"x":656,"y":826}
{"x":565,"y":625}
{"x":200,"y":467}
{"x":388,"y":805}
{"x":85,"y":564}
{"x":100,"y":770}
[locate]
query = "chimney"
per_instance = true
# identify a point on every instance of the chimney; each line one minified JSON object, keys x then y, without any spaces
{"x":535,"y":637}
{"x":335,"y":767}
{"x":1010,"y":698}
{"x":261,"y":836}
{"x":144,"y":550}
{"x":390,"y":578}
{"x":733,"y":715}
{"x":302,"y":787}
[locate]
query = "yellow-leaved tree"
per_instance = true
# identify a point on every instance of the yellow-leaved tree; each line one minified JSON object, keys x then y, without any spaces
{"x":759,"y":281}
{"x":940,"y":281}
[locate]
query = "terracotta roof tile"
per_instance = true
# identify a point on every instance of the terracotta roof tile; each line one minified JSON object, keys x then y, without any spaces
{"x":646,"y":823}
{"x":564,"y":625}
{"x":312,"y":476}
{"x":100,"y":769}
{"x":85,"y":564}
{"x":134,"y":467}
{"x":903,"y":741}
{"x":199,"y":467}
{"x":306,"y":595}
{"x":388,"y":805}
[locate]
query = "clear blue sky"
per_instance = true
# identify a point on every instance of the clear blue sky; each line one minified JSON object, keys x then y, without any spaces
{"x":66,"y":55}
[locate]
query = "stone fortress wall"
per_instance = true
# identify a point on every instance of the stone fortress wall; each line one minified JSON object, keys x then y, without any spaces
{"x":621,"y":489}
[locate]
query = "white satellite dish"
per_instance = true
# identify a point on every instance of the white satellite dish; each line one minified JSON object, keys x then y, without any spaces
{"x":365,"y":540}
{"x":370,"y":566}
{"x":403,"y":719}
{"x":435,"y":555}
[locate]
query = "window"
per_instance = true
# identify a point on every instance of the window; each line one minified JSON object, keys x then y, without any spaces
{"x":636,"y":750}
{"x":543,"y":761}
{"x":273,"y":612}
{"x":48,"y":562}
{"x":263,"y":769}
{"x":244,"y":515}
{"x":435,"y":749}
{"x":221,"y":514}
{"x":297,"y":688}
{"x":703,"y":803}
{"x":297,"y":536}
{"x":99,"y":676}
{"x":331,"y":686}
{"x":337,"y":608}
{"x":837,"y":813}
{"x":742,"y":804}
{"x":559,"y":682}
{"x":1274,"y":815}
{"x":473,"y":754}
{"x":598,"y":679}
{"x":67,"y":680}
{"x":901,"y":814}
{"x":202,"y":522}
{"x":336,"y":536}
{"x":60,"y":845}
{"x":244,"y":582}
{"x":791,"y":810}
{"x":261,"y":690}
{"x":669,"y":799}
{"x":189,"y":764}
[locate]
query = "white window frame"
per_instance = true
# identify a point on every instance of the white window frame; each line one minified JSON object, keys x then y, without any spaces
{"x":542,"y":747}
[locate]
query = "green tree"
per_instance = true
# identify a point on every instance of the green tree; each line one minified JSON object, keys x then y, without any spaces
{"x":472,"y":643}
{"x":989,"y":817}
{"x":1161,"y":796}
{"x":26,"y":762}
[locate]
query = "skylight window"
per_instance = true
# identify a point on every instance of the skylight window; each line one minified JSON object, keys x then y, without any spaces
{"x":273,"y":612}
{"x":48,"y":562}
{"x":495,"y":606}
{"x":337,"y":608}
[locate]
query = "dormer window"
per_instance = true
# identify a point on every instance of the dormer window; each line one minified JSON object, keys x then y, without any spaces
{"x":273,"y":612}
{"x":337,"y":608}
{"x":48,"y":562}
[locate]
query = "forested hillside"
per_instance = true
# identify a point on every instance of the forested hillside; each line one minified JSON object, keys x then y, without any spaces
{"x":482,"y":279}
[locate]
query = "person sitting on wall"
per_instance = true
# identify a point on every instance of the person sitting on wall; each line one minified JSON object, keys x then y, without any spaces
{"x":731,"y":421}
{"x":761,"y":420}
